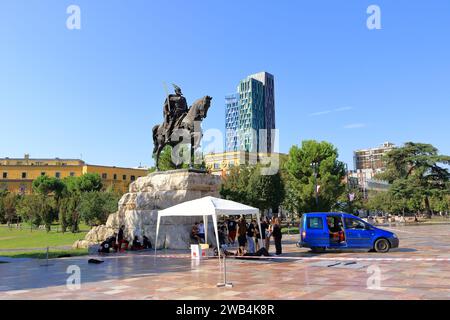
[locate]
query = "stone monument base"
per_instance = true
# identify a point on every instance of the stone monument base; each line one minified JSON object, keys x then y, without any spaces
{"x":138,"y":209}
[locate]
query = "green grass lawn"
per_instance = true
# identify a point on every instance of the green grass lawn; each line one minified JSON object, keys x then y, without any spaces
{"x":290,"y":231}
{"x":32,"y":244}
{"x":53,"y":253}
{"x":24,"y":238}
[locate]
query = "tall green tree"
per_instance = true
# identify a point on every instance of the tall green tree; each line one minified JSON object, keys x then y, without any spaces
{"x":3,"y":194}
{"x":300,"y":179}
{"x":50,"y":190}
{"x":28,"y":208}
{"x":95,"y":206}
{"x":265,"y":191}
{"x":246,"y":184}
{"x":9,"y":205}
{"x":234,"y":186}
{"x":418,"y":173}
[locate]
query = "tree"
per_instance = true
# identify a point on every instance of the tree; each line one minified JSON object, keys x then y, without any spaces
{"x":3,"y":194}
{"x":351,"y":200}
{"x":76,"y":187}
{"x":28,"y":209}
{"x":417,"y":173}
{"x":166,"y":163}
{"x":300,"y":180}
{"x":234,"y":186}
{"x":265,"y":191}
{"x":246,"y":184}
{"x":9,"y":206}
{"x":95,"y":206}
{"x":88,"y":182}
{"x":50,"y":190}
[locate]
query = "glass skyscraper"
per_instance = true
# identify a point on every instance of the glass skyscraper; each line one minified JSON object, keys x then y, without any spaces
{"x":248,"y":111}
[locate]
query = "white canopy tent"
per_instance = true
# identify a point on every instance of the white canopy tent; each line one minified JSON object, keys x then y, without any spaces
{"x":205,"y":207}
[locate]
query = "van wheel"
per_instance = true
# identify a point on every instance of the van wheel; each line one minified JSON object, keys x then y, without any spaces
{"x":318,"y":249}
{"x":382,"y":246}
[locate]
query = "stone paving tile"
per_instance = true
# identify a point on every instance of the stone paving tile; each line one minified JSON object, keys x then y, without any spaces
{"x":142,"y":276}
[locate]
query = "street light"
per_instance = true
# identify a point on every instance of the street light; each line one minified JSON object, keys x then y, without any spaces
{"x":315,"y":166}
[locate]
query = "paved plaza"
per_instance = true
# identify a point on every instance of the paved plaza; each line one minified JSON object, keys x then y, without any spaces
{"x":420,"y":269}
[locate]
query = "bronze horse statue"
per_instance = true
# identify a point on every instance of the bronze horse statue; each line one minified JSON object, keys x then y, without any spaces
{"x":196,"y":113}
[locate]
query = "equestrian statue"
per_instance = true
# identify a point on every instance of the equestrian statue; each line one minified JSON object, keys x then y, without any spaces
{"x":179,"y":120}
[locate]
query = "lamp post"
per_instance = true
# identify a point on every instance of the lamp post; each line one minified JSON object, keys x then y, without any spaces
{"x":315,"y":166}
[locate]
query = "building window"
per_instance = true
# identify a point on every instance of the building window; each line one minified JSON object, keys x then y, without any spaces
{"x":124,"y":177}
{"x":104,"y":176}
{"x":58,"y":175}
{"x":115,"y":176}
{"x":216,"y":166}
{"x":24,"y":175}
{"x":5,"y":175}
{"x":133,"y":178}
{"x":72,"y":174}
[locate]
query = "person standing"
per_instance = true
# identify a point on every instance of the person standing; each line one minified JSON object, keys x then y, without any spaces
{"x":261,"y":235}
{"x":268,"y":234}
{"x":277,"y":236}
{"x":250,"y":235}
{"x":232,"y":226}
{"x":242,"y":233}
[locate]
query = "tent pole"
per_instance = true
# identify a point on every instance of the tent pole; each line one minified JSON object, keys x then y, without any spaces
{"x":205,"y":225}
{"x":258,"y":216}
{"x":157,"y":232}
{"x":217,"y":234}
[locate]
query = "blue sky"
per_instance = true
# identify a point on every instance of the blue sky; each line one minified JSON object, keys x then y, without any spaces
{"x":98,"y":91}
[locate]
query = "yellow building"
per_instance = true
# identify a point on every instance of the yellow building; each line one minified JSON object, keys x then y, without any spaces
{"x":221,"y":163}
{"x":17,"y":175}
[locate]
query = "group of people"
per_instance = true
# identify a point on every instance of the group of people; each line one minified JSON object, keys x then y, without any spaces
{"x":118,"y":243}
{"x":250,"y":238}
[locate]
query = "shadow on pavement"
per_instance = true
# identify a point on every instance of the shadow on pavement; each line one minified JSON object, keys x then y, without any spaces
{"x":33,"y":274}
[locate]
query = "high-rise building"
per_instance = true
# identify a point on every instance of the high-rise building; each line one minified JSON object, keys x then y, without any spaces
{"x":232,"y":121}
{"x":368,"y":163}
{"x":250,"y":110}
{"x":372,"y":159}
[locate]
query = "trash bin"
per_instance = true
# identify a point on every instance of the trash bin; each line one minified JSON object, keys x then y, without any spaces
{"x":199,"y":251}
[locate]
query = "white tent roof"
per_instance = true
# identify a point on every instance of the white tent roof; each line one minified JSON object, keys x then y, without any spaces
{"x":208,"y":206}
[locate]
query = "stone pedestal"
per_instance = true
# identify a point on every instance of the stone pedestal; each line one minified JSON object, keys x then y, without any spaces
{"x":138,"y":209}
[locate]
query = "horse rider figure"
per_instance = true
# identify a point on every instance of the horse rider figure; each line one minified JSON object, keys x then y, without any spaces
{"x":175,"y":108}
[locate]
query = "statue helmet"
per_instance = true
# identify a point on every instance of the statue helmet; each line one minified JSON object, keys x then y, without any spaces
{"x":177,"y":88}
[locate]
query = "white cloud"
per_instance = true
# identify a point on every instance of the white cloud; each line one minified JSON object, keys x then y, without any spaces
{"x":355,"y":126}
{"x":321,"y":113}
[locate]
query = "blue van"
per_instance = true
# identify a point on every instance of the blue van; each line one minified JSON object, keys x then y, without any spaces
{"x":321,"y":231}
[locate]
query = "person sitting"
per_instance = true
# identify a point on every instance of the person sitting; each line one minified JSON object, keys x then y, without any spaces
{"x":136,"y":245}
{"x":106,"y":245}
{"x":121,"y":240}
{"x":201,"y":230}
{"x":194,"y":234}
{"x":146,"y":244}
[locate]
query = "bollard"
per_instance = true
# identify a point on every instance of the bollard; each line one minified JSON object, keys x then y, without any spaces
{"x":225,"y":284}
{"x":46,"y":259}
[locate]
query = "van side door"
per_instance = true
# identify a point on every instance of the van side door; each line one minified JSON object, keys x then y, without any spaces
{"x":358,"y":236}
{"x":317,"y":234}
